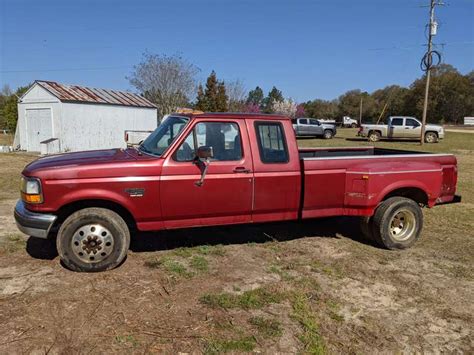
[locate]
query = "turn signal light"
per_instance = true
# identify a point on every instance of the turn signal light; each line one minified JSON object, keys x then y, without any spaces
{"x":31,"y":198}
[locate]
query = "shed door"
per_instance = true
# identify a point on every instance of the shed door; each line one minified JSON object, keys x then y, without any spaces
{"x":39,"y":127}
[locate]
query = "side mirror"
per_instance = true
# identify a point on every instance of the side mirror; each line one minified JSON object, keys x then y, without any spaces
{"x":205,"y":152}
{"x":203,"y":155}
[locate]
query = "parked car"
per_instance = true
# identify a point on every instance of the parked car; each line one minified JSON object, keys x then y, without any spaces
{"x":208,"y":169}
{"x":399,"y":127}
{"x":312,"y":127}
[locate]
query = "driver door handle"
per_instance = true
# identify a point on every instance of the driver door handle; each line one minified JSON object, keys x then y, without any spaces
{"x":241,"y":169}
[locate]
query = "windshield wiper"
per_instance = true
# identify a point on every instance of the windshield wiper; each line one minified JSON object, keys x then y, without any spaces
{"x":143,"y":149}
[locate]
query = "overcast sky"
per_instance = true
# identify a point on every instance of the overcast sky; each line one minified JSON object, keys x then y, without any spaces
{"x":308,"y":49}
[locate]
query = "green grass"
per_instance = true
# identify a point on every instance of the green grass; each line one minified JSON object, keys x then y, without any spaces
{"x":169,"y":265}
{"x":211,"y":250}
{"x":334,"y":309}
{"x":199,"y":263}
{"x":329,"y":270}
{"x":127,"y":340}
{"x":217,"y":346}
{"x":268,"y":328}
{"x":253,"y":299}
{"x":310,"y":338}
{"x":280,"y":271}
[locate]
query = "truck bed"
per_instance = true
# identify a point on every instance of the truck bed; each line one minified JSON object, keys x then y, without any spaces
{"x":352,"y":181}
{"x":324,"y":152}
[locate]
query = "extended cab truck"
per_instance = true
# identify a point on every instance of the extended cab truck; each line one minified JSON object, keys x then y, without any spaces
{"x":217,"y":169}
{"x":311,"y":127}
{"x":401,"y":128}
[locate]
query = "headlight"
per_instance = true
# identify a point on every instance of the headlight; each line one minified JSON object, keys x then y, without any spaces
{"x":30,"y":189}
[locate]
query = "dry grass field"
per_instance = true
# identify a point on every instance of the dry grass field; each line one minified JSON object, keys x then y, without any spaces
{"x":310,"y":287}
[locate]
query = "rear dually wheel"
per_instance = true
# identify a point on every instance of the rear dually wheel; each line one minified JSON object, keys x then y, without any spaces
{"x":397,"y":223}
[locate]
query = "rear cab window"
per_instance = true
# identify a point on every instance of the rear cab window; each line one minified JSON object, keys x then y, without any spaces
{"x":271,"y":142}
{"x":397,"y":122}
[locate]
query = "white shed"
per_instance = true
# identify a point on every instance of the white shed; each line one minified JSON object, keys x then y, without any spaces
{"x":70,"y":118}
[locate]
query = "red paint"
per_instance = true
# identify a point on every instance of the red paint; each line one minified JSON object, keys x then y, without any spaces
{"x":299,"y":188}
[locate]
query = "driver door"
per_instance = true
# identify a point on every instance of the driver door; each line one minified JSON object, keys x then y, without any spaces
{"x":225,"y":197}
{"x":412,"y":128}
{"x":316,"y":129}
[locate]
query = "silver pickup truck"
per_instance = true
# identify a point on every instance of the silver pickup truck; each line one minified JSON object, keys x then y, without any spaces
{"x":399,"y":127}
{"x":305,"y":127}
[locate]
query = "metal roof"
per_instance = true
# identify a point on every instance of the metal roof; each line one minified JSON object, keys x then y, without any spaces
{"x":75,"y":93}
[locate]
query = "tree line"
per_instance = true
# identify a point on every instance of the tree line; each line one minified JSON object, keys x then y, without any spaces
{"x":451,"y":96}
{"x":171,"y":83}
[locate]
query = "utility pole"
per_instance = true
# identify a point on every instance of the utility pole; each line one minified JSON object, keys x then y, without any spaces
{"x":360,"y":111}
{"x":427,"y":61}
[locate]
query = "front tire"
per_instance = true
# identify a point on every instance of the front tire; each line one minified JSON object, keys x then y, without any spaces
{"x":431,"y":137}
{"x":374,"y":136}
{"x":353,"y":125}
{"x":327,"y":134}
{"x":93,"y":239}
{"x":397,"y":223}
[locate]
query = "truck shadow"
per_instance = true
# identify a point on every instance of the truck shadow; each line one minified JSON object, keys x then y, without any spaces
{"x":334,"y":227}
{"x":249,"y":233}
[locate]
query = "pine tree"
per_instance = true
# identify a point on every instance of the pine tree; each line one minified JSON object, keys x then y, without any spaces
{"x":255,"y":97}
{"x":274,"y":95}
{"x":214,"y":98}
{"x":201,"y":103}
{"x":222,"y":98}
{"x":211,"y":92}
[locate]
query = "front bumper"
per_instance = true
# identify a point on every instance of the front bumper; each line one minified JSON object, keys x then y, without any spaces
{"x":32,"y":223}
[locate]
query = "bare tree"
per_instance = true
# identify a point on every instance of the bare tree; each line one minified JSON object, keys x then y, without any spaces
{"x":237,"y":94}
{"x":167,"y":81}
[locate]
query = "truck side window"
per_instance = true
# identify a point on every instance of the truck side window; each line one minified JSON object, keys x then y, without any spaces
{"x":397,"y":121}
{"x":223,"y":137}
{"x":411,"y":122}
{"x":271,"y":142}
{"x":303,"y":121}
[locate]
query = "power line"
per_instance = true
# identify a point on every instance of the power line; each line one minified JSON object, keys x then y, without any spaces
{"x":65,"y":69}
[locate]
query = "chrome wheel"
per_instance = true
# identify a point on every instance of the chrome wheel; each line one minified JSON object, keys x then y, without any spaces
{"x":327,"y":134}
{"x":92,"y":243}
{"x":374,"y":137}
{"x":430,"y":138}
{"x":402,"y":225}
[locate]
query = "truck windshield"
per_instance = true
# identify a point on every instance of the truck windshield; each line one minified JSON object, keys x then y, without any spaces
{"x":164,"y":135}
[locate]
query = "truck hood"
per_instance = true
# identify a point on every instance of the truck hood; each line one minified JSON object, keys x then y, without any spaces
{"x":434,"y":126}
{"x":96,"y":163}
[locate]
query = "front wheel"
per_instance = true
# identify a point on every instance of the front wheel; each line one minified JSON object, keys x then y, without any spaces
{"x":353,"y":125}
{"x":93,"y":239}
{"x":374,"y":136}
{"x":397,"y":223}
{"x":327,"y":134}
{"x":431,"y":137}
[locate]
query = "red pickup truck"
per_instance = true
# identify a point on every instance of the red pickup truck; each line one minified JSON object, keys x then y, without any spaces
{"x":217,"y":169}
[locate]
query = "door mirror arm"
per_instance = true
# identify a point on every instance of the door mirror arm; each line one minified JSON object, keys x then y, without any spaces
{"x":202,"y":160}
{"x":203,"y":165}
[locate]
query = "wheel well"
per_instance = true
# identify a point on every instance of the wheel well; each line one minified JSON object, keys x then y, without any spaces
{"x":375,"y":130}
{"x":431,"y":132}
{"x":70,"y":208}
{"x":413,"y":193}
